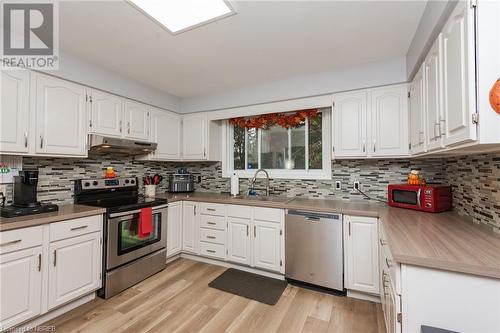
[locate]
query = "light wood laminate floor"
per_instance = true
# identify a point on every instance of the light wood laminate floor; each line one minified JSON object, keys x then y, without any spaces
{"x":178,"y":299}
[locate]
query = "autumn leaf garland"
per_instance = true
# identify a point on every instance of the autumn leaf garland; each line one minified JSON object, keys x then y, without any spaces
{"x":285,"y":120}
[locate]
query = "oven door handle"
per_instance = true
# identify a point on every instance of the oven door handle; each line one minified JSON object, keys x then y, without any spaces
{"x":137,"y":211}
{"x":419,"y":192}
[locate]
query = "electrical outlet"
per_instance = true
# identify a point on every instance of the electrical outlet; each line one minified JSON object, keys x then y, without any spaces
{"x":338,"y":185}
{"x":357,"y":186}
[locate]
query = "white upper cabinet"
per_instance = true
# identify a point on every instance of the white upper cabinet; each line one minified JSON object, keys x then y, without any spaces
{"x":136,"y":120}
{"x":166,"y":132}
{"x":389,"y":112}
{"x":458,"y":76}
{"x":195,"y":137}
{"x":106,"y":114}
{"x":60,"y":108}
{"x":417,"y":112}
{"x":433,"y":95}
{"x":349,"y":124}
{"x":14,"y":112}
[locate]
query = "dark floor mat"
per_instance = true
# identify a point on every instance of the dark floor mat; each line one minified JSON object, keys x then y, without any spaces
{"x":257,"y":287}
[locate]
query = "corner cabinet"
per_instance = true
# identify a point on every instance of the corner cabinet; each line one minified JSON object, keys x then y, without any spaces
{"x":61,"y":111}
{"x":166,"y":132}
{"x":174,"y":229}
{"x":136,"y":117}
{"x":107,"y":114}
{"x":190,"y":228}
{"x":201,"y":138}
{"x":417,"y":112}
{"x":361,"y":254}
{"x":389,"y":112}
{"x":14,"y":111}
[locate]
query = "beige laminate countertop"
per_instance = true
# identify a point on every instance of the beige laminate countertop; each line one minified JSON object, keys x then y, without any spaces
{"x":65,"y":212}
{"x":444,"y":241}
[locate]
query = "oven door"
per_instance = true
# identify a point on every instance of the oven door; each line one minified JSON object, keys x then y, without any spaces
{"x":123,"y":242}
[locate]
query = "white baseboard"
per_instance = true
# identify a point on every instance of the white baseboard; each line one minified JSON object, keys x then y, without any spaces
{"x":27,"y":327}
{"x":231,"y":265}
{"x":363,"y":296}
{"x":173,"y":258}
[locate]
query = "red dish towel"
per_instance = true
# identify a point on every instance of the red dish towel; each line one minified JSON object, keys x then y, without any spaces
{"x":145,"y":222}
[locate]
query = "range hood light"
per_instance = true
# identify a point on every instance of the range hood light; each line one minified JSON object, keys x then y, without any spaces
{"x":105,"y":146}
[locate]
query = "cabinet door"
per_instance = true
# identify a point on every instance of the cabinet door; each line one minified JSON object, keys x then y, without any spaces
{"x":106,"y":115}
{"x":190,"y":228}
{"x":361,"y":237}
{"x":267,"y":245}
{"x":136,"y":120}
{"x":21,"y":286}
{"x":60,"y":117}
{"x":433,"y":95}
{"x":458,"y":76}
{"x":389,"y":113}
{"x":349,"y":125}
{"x":174,"y":229}
{"x":239,"y":241}
{"x":14,"y":111}
{"x":166,"y":132}
{"x":417,"y":109}
{"x":74,"y":268}
{"x":194,"y":137}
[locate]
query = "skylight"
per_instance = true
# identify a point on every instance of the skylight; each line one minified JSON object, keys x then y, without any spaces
{"x":181,"y":15}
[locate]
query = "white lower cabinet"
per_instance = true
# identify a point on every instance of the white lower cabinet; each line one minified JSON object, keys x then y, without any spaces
{"x":21,"y":286}
{"x":74,"y":268}
{"x":190,"y":228}
{"x":239,"y":240}
{"x":361,"y":254}
{"x":174,"y":229}
{"x":65,"y":269}
{"x":267,"y":245}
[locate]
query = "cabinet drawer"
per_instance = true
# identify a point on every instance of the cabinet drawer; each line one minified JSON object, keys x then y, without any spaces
{"x":20,"y":239}
{"x":212,"y":209}
{"x":213,"y":222}
{"x":239,"y":211}
{"x":268,"y":214}
{"x":213,"y":236}
{"x":213,"y":250}
{"x":76,"y":227}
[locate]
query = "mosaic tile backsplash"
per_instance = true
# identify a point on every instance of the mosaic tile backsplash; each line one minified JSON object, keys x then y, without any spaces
{"x":475,"y":179}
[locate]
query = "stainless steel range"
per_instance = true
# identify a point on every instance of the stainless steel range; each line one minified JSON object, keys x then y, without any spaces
{"x":128,"y":257}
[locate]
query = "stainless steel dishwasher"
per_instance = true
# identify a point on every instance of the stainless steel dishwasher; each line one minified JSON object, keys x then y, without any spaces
{"x":314,"y":248}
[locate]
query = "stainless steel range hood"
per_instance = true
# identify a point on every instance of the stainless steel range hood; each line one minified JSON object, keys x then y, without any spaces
{"x":103,"y":145}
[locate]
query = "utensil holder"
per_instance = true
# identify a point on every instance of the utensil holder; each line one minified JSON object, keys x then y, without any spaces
{"x":150,"y":191}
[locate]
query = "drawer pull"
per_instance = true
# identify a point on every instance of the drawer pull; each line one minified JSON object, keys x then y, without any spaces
{"x":39,"y":262}
{"x":383,"y":242}
{"x":55,"y":258}
{"x":79,"y":228}
{"x":11,"y":242}
{"x":210,"y":251}
{"x":387,"y":262}
{"x":211,"y":209}
{"x":212,"y":223}
{"x":210,"y":237}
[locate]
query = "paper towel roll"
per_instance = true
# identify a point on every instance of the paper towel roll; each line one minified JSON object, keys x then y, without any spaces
{"x":235,"y":185}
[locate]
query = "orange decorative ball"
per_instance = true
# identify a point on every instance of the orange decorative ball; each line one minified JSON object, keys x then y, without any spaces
{"x":495,"y":96}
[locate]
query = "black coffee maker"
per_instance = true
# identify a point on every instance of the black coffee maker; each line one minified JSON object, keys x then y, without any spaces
{"x":25,"y":197}
{"x":25,"y":189}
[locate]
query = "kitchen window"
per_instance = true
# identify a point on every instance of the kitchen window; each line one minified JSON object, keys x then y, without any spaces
{"x":300,"y":152}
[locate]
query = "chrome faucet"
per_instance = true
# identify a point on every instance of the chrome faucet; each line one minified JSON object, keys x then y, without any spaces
{"x":252,"y":182}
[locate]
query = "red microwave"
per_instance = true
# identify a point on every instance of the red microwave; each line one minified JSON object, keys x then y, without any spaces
{"x":427,"y":198}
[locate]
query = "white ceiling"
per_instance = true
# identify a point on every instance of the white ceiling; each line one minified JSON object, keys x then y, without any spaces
{"x":265,"y":41}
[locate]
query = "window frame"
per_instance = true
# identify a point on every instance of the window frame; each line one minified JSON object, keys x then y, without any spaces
{"x":307,"y":174}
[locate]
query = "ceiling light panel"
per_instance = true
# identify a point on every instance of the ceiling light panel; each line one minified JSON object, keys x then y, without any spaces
{"x":181,"y":15}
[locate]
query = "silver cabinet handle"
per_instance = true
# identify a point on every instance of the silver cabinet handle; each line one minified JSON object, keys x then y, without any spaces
{"x":374,"y":146}
{"x":211,"y":209}
{"x":128,"y":127}
{"x":55,"y":258}
{"x":437,"y":130}
{"x":204,"y":152}
{"x":11,"y":242}
{"x":211,"y":223}
{"x":41,"y":141}
{"x":79,"y":228}
{"x":247,"y":230}
{"x":120,"y":126}
{"x":420,"y":138}
{"x":210,"y":237}
{"x":349,"y":228}
{"x":383,"y":242}
{"x":254,"y":231}
{"x":25,"y":139}
{"x":442,"y":127}
{"x":210,"y":251}
{"x":39,"y":262}
{"x":364,"y":146}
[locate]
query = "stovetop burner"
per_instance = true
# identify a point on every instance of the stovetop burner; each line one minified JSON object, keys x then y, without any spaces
{"x":116,"y":195}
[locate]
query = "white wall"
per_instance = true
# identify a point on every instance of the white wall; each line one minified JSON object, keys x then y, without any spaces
{"x":433,"y":19}
{"x":83,"y":72}
{"x":371,"y":75}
